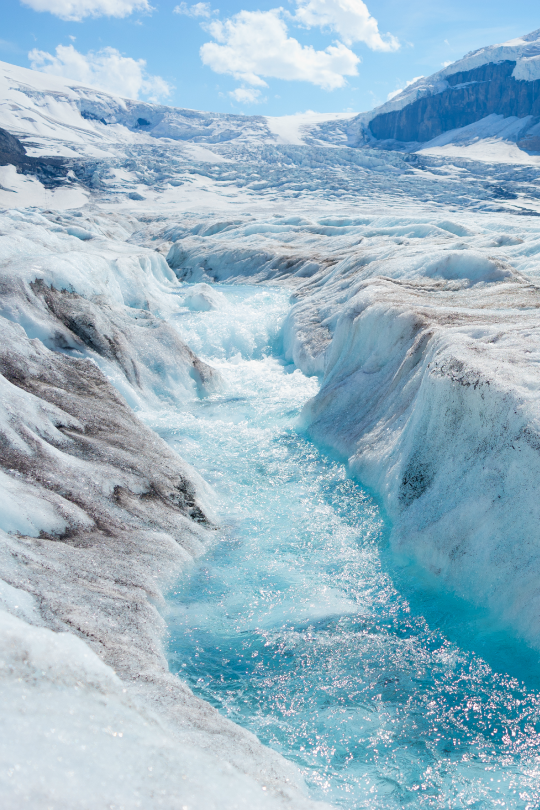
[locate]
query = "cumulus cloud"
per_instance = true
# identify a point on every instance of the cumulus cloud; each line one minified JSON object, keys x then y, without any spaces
{"x":106,"y":69}
{"x":395,"y":93}
{"x":253,"y":44}
{"x":76,"y":10}
{"x":247,"y":95}
{"x":348,"y":18}
{"x":197,"y":10}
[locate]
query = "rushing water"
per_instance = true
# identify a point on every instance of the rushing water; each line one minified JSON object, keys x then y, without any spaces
{"x":297,"y":623}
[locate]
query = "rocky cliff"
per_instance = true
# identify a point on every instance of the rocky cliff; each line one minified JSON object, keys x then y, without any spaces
{"x":470,"y":96}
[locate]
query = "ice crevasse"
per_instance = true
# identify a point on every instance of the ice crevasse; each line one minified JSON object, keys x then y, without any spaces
{"x":424,"y":331}
{"x":432,"y":396}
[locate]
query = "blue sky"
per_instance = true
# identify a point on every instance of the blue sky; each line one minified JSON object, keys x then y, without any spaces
{"x":254,"y":56}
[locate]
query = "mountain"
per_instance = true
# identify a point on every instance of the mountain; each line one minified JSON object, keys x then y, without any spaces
{"x":500,"y":82}
{"x":67,"y":118}
{"x":492,"y":93}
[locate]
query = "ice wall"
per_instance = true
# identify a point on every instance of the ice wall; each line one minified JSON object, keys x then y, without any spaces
{"x":84,"y":291}
{"x":434,"y":401}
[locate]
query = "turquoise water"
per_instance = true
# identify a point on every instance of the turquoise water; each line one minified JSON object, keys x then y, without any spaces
{"x":299,"y":624}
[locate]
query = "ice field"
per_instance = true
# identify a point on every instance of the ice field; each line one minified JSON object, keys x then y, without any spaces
{"x":269,"y":454}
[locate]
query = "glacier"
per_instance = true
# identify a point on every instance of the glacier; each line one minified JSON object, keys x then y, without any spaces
{"x":186,"y":292}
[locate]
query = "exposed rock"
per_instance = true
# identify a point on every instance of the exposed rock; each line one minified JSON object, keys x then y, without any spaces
{"x":51,"y":171}
{"x":471,"y":96}
{"x":530,"y":144}
{"x":11,"y":149}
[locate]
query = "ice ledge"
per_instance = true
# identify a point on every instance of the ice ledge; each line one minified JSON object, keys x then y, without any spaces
{"x":432,"y":395}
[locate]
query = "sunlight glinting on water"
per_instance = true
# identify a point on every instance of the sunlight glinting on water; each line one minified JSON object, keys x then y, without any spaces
{"x":295,"y":625}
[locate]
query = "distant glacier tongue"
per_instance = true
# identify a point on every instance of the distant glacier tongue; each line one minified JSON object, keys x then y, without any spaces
{"x":298,"y":623}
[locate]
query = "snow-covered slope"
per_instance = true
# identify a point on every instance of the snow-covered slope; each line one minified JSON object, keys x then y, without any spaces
{"x":73,"y":119}
{"x":524,"y":52}
{"x":66,"y":118}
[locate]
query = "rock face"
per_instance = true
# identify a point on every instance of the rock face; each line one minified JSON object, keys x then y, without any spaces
{"x":471,"y":96}
{"x":11,"y":149}
{"x":51,"y":171}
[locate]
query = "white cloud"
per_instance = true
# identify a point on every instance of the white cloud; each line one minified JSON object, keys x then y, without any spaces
{"x":78,"y":9}
{"x":106,"y":69}
{"x":395,"y":93}
{"x":197,"y":10}
{"x":446,"y":64}
{"x":247,"y":95}
{"x":348,"y":18}
{"x":253,"y":44}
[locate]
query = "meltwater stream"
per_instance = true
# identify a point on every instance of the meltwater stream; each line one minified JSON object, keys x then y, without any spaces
{"x":297,"y":625}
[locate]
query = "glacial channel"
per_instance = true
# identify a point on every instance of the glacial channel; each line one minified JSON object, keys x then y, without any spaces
{"x":301,"y":625}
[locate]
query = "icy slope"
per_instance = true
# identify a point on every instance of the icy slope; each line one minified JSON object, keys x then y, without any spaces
{"x":65,"y":117}
{"x":79,"y":119}
{"x":85,"y":742}
{"x":97,"y":517}
{"x":432,"y":397}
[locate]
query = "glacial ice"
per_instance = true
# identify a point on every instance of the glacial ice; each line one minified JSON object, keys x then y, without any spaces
{"x":97,"y":517}
{"x":293,"y":625}
{"x":414,"y":283}
{"x":74,"y":736}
